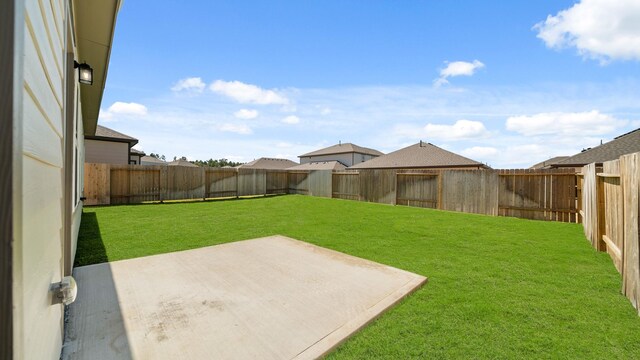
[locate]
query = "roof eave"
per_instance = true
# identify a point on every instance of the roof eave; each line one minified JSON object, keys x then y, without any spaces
{"x":131,"y":142}
{"x":94,"y":29}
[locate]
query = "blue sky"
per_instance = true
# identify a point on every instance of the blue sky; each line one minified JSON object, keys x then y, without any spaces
{"x":508,"y":83}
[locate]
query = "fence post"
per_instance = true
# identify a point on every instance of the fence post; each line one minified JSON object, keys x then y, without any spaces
{"x":237,"y":183}
{"x":164,"y":182}
{"x":440,"y":190}
{"x":203,"y":178}
{"x":600,"y":213}
{"x":630,"y":182}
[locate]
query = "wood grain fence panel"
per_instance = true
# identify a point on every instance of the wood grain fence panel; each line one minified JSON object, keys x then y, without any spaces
{"x":185,"y":183}
{"x":298,"y":182}
{"x":277,"y":182}
{"x":252,"y":182}
{"x":144,"y":184}
{"x":320,"y":183}
{"x":417,"y":189}
{"x":221,"y":182}
{"x":345,"y":185}
{"x":378,"y":186}
{"x":119,"y":184}
{"x":470,"y":191}
{"x":97,"y":186}
{"x":613,"y":212}
{"x":538,"y":194}
{"x":630,"y":180}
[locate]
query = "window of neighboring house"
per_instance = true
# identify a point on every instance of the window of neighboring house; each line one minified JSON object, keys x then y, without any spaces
{"x":132,"y":162}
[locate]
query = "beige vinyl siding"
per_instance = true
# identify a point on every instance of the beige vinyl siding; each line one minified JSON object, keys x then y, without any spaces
{"x":108,"y":152}
{"x":41,"y":258}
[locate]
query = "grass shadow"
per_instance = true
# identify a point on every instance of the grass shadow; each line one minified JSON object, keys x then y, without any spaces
{"x":90,"y":248}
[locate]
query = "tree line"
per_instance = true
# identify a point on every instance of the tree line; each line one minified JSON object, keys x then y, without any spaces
{"x":211,"y":162}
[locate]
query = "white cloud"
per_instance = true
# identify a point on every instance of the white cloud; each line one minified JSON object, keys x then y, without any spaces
{"x":284,"y":144}
{"x":122,"y":109}
{"x":291,"y":119}
{"x":247,"y":93}
{"x":386,"y":118}
{"x":194,"y":84}
{"x":235,"y":128}
{"x":457,"y":68}
{"x":600,"y":29}
{"x":480,"y":152}
{"x":461,"y":129}
{"x":567,"y":124}
{"x":246,"y":114}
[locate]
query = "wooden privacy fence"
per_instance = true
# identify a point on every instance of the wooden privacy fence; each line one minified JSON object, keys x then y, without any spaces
{"x":542,"y":195}
{"x":610,"y":216}
{"x":132,"y":184}
{"x":529,"y":194}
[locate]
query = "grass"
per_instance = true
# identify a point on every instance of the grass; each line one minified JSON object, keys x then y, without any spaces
{"x":498,"y":287}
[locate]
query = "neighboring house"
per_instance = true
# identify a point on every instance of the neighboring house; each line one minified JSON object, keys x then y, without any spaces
{"x":421,"y":156}
{"x":624,"y":144}
{"x":135,"y":156}
{"x":48,"y":48}
{"x":150,"y":160}
{"x":322,"y":165}
{"x":348,"y":154}
{"x":108,"y":146}
{"x":548,"y":164}
{"x":182,"y":162}
{"x":268,"y":164}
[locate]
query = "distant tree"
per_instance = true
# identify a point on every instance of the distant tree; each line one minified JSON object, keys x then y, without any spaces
{"x":158,"y":156}
{"x":216,"y":163}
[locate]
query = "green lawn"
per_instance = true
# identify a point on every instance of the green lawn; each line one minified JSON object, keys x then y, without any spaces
{"x":498,"y":287}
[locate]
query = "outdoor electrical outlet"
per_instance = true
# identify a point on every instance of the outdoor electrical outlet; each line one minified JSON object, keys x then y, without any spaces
{"x":65,"y":291}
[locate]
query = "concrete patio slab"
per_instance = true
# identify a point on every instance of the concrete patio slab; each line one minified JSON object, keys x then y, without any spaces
{"x":267,"y":298}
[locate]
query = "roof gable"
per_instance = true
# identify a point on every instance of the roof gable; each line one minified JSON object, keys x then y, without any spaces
{"x":420,"y":155}
{"x":268,"y":164}
{"x":182,"y":162}
{"x":342,"y":149}
{"x":320,"y":165}
{"x":104,"y":133}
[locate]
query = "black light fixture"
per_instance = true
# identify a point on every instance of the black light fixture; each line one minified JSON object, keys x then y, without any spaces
{"x":85,"y":73}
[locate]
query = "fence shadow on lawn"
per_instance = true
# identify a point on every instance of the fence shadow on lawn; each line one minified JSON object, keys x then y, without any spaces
{"x":90,"y":242}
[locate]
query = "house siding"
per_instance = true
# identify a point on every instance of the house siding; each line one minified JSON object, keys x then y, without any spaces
{"x":40,"y":257}
{"x":106,"y":152}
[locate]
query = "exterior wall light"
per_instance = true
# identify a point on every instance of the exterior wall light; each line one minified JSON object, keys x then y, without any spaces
{"x":85,"y":73}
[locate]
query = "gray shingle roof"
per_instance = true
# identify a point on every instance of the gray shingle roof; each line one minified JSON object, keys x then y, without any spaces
{"x":549,"y":162}
{"x":151,"y":159}
{"x":420,"y":155}
{"x":341,"y":149}
{"x":320,"y":165}
{"x":181,"y":162}
{"x":269,"y":164}
{"x":136,"y":151}
{"x":624,"y":144}
{"x":106,"y":133}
